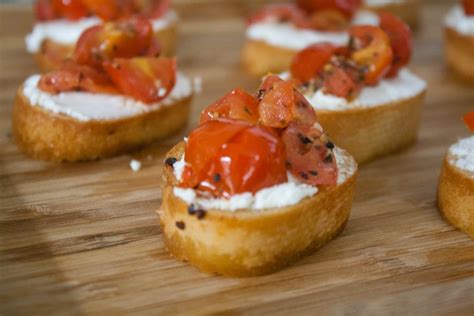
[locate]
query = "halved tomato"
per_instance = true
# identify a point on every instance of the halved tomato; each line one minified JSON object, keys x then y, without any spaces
{"x":469,"y":120}
{"x":468,"y":6}
{"x":346,"y":7}
{"x":124,"y":39}
{"x":44,"y":10}
{"x":341,"y":81}
{"x":308,"y":62}
{"x":70,"y":9}
{"x":371,"y":48}
{"x":110,"y":9}
{"x":237,"y":105}
{"x":400,"y":38}
{"x":309,"y":155}
{"x":282,"y":13}
{"x":73,"y":77}
{"x":227,"y":157}
{"x":144,"y":78}
{"x":329,"y":20}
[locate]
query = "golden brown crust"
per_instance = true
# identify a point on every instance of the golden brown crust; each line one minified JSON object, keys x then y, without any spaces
{"x":456,"y":197}
{"x":371,"y":132}
{"x":45,"y":135}
{"x":247,"y":243}
{"x":408,"y":11}
{"x":258,"y":58}
{"x":459,"y":53}
{"x":166,"y":36}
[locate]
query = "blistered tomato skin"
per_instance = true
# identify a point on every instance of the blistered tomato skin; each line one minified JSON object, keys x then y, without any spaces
{"x":468,"y":6}
{"x":371,"y":49}
{"x":311,"y":60}
{"x":469,"y":120}
{"x":400,"y":38}
{"x":227,"y":157}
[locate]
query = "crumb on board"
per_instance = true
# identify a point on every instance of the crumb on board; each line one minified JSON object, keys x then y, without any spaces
{"x":135,"y":165}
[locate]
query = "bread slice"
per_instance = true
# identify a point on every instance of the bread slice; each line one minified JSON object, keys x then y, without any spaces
{"x":459,"y":53}
{"x":407,"y":10}
{"x":456,"y":196}
{"x":248,"y":243}
{"x":371,"y":132}
{"x":45,"y":135}
{"x":166,"y":36}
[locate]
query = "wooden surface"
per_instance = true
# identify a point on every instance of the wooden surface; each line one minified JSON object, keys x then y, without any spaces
{"x":83,"y":238}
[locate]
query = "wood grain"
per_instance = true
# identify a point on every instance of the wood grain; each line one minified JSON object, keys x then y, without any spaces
{"x":84,"y":239}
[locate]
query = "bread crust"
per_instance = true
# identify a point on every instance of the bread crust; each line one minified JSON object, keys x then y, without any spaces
{"x":45,"y":135}
{"x":247,"y":243}
{"x":166,"y":36}
{"x":371,"y":132}
{"x":456,"y":197}
{"x":408,"y":11}
{"x":459,"y":53}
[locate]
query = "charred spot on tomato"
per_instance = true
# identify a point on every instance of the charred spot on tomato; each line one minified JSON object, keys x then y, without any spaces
{"x":330,"y":145}
{"x":314,"y":173}
{"x":181,"y":225}
{"x":217,"y":177}
{"x":328,"y":158}
{"x":304,"y":175}
{"x":260,"y":93}
{"x":304,"y":139}
{"x":170,"y":161}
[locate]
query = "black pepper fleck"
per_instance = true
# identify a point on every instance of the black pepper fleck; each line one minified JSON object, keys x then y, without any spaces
{"x":304,"y":175}
{"x":217,"y":177}
{"x":330,"y":145}
{"x":304,"y":139}
{"x":200,"y":214}
{"x":313,"y":172}
{"x":191,"y":209}
{"x":328,"y":158}
{"x":181,"y":225}
{"x":170,"y":161}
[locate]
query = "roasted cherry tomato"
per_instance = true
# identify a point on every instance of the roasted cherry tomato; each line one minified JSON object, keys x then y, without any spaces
{"x":329,"y":20}
{"x":144,"y":78}
{"x":468,"y":6}
{"x":282,"y":13}
{"x":469,"y":120}
{"x":311,"y":60}
{"x":125,"y":39}
{"x":70,"y":9}
{"x":309,"y":155}
{"x":346,"y":7}
{"x":227,"y":157}
{"x":371,"y":48}
{"x":342,"y":79}
{"x":237,"y":105}
{"x":400,"y":39}
{"x":45,"y":10}
{"x":73,"y":77}
{"x":110,"y":9}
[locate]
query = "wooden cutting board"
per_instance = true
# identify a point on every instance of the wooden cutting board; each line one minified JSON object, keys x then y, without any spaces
{"x":83,"y":238}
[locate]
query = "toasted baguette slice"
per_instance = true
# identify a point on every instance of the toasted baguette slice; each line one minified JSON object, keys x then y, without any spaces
{"x":248,"y":243}
{"x":371,"y":132}
{"x":407,"y":10}
{"x":166,"y":37}
{"x":45,"y":135}
{"x":459,"y":53}
{"x":456,"y":196}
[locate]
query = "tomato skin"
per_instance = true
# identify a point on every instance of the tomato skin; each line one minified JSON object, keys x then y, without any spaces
{"x":73,"y":77}
{"x":342,"y":79}
{"x":44,"y":10}
{"x":372,"y":50}
{"x":346,"y":7}
{"x":281,"y":12}
{"x":109,"y":10}
{"x":400,"y":38}
{"x":310,"y":61}
{"x":70,"y":9}
{"x":227,"y":157}
{"x":468,"y":6}
{"x":469,"y":120}
{"x":309,"y":158}
{"x":237,"y":105}
{"x":144,"y":78}
{"x":123,"y":39}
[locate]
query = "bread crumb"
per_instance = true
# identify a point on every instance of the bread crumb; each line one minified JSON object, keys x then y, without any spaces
{"x":135,"y":165}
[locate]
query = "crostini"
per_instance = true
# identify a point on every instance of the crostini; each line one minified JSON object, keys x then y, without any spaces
{"x":277,"y":32}
{"x":459,"y":39}
{"x":456,"y":183}
{"x":59,"y":25}
{"x":256,"y":186}
{"x":365,"y":98}
{"x":113,"y":96}
{"x":407,"y":10}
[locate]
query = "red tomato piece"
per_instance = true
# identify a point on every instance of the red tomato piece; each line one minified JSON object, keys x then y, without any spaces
{"x":341,"y":82}
{"x":226,"y":157}
{"x":73,"y":77}
{"x":283,"y":13}
{"x":311,"y":60}
{"x":346,"y":7}
{"x":109,"y":10}
{"x":70,"y":9}
{"x":309,"y":155}
{"x":45,"y":10}
{"x":237,"y":105}
{"x":144,"y":78}
{"x":125,"y":39}
{"x":267,"y":84}
{"x":371,"y":49}
{"x":469,"y":120}
{"x":400,"y":38}
{"x":275,"y":109}
{"x":468,"y":6}
{"x":303,"y":112}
